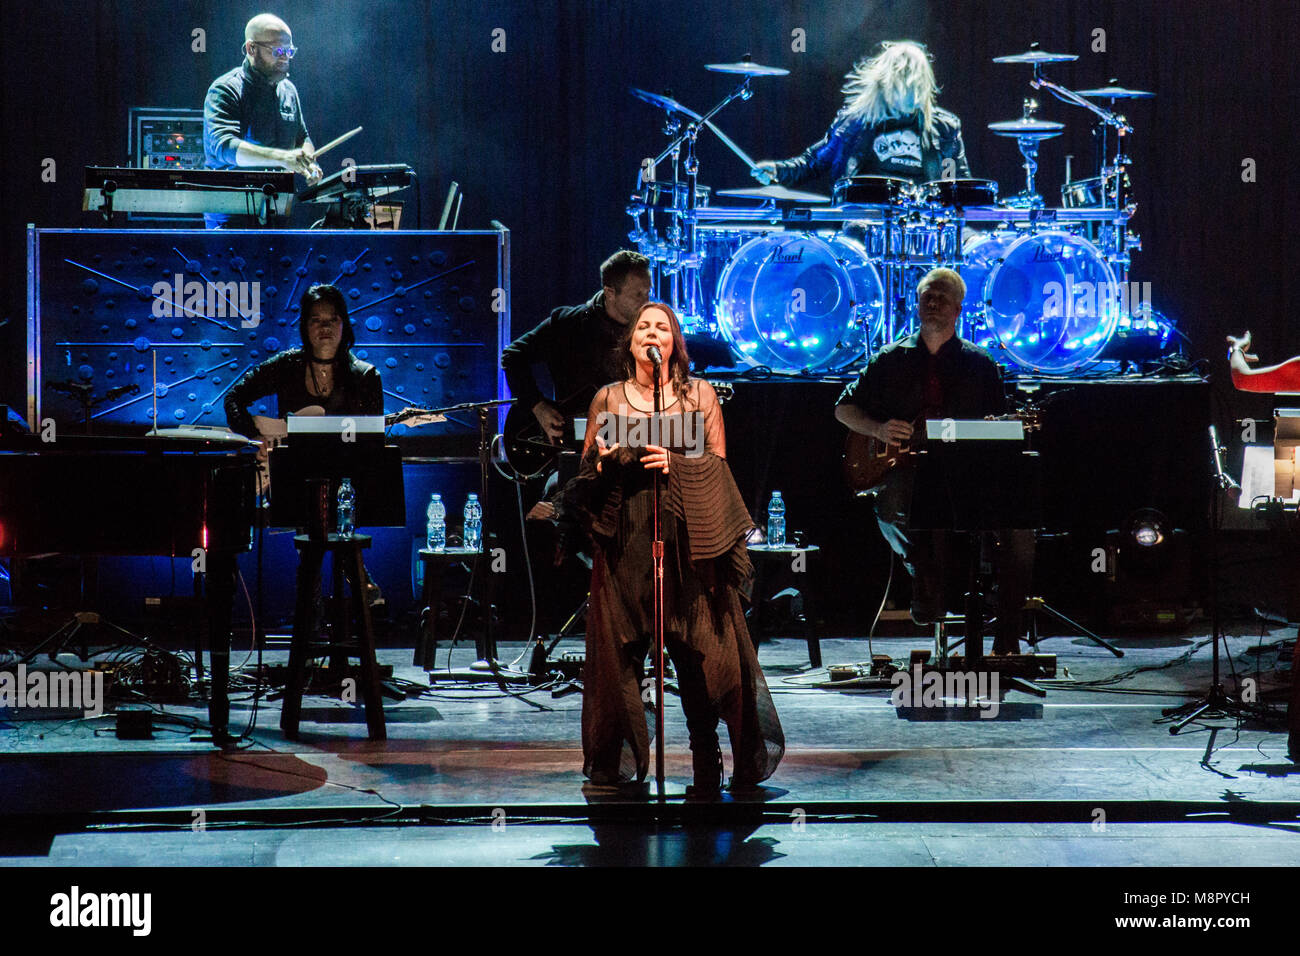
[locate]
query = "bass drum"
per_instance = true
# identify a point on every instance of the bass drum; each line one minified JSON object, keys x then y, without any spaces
{"x":1048,"y":301}
{"x":796,"y":301}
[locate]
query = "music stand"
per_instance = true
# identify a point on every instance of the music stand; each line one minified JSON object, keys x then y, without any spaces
{"x":973,"y":477}
{"x":332,"y":448}
{"x":1217,"y":703}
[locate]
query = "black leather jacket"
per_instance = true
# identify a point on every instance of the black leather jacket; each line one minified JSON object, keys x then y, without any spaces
{"x":850,"y":148}
{"x":578,"y":345}
{"x":358,"y":391}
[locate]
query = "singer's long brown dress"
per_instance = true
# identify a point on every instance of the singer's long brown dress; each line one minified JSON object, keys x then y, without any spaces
{"x":705,"y":566}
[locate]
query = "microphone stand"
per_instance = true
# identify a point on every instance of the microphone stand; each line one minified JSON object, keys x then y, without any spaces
{"x":486,"y":664}
{"x":1217,"y":703}
{"x":657,"y":553}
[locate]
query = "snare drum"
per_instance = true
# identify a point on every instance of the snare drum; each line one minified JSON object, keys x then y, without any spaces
{"x":959,"y":193}
{"x":1085,"y":193}
{"x":871,"y":191}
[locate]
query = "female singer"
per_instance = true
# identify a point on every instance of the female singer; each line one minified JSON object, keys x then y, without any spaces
{"x":706,"y":563}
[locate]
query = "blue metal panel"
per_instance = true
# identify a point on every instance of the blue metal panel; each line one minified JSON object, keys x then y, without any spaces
{"x":105,"y":303}
{"x":430,"y":310}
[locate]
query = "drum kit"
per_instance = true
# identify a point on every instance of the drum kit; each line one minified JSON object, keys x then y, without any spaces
{"x":799,"y":283}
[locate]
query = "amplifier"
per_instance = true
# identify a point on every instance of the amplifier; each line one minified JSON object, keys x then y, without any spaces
{"x":164,"y":138}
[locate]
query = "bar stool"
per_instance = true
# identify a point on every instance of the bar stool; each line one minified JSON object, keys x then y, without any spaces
{"x":346,"y":564}
{"x":941,"y":629}
{"x":435,"y":563}
{"x":765,"y":554}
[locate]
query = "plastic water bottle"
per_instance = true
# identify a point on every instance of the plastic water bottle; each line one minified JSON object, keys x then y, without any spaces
{"x":437,"y":514}
{"x":776,"y":521}
{"x":473,"y":523}
{"x":347,"y":513}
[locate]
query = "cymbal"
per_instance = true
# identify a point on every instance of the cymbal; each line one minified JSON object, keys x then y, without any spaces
{"x":1036,"y":56}
{"x":747,"y":68}
{"x":666,"y":103}
{"x":1116,"y":93}
{"x":1028,"y":128}
{"x":775,"y":192}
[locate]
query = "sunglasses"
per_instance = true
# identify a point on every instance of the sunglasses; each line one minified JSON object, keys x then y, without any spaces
{"x":289,"y":51}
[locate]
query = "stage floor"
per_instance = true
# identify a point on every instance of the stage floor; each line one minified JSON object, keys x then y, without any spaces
{"x":1037,"y":784}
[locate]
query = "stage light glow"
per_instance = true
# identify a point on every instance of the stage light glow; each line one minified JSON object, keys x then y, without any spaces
{"x":1148,"y":535}
{"x":1148,"y":528}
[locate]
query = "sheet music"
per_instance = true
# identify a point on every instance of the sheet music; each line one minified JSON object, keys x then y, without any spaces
{"x":1257,"y":478}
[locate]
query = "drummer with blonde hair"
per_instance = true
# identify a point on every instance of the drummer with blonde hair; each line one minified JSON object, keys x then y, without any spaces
{"x":890,"y":125}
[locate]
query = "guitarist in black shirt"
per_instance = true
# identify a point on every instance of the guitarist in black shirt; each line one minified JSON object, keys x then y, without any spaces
{"x":578,"y":347}
{"x":934,"y":374}
{"x":576,"y":344}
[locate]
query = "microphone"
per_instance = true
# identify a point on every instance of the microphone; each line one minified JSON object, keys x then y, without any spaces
{"x":654,"y":355}
{"x":1224,"y":480}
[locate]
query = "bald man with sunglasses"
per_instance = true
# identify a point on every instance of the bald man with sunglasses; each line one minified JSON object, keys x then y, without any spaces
{"x":252,"y":115}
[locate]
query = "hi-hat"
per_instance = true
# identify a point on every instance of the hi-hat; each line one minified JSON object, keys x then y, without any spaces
{"x":663,"y":102}
{"x":1027,"y":129}
{"x":775,"y":192}
{"x":1036,"y":56}
{"x":747,"y":68}
{"x":1116,"y":93}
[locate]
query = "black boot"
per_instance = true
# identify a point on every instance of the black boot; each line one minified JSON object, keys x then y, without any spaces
{"x":707,"y":764}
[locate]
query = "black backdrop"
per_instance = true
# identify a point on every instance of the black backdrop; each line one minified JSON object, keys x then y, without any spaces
{"x":545,"y":138}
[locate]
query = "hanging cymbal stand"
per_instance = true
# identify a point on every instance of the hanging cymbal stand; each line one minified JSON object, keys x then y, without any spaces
{"x":685,"y":281}
{"x":1117,"y":171}
{"x":678,"y":256}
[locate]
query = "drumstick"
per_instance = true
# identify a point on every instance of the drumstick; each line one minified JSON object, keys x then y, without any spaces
{"x":334,"y":142}
{"x":726,"y":141}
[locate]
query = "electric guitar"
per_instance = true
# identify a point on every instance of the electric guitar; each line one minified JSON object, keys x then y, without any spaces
{"x":528,"y":449}
{"x":868,"y":460}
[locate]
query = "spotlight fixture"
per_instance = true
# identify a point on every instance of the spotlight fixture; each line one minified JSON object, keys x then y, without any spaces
{"x":1147,"y":527}
{"x":1151,"y":584}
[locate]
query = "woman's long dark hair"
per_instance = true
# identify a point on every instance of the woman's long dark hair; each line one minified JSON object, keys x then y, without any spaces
{"x":332,"y":296}
{"x":679,"y":362}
